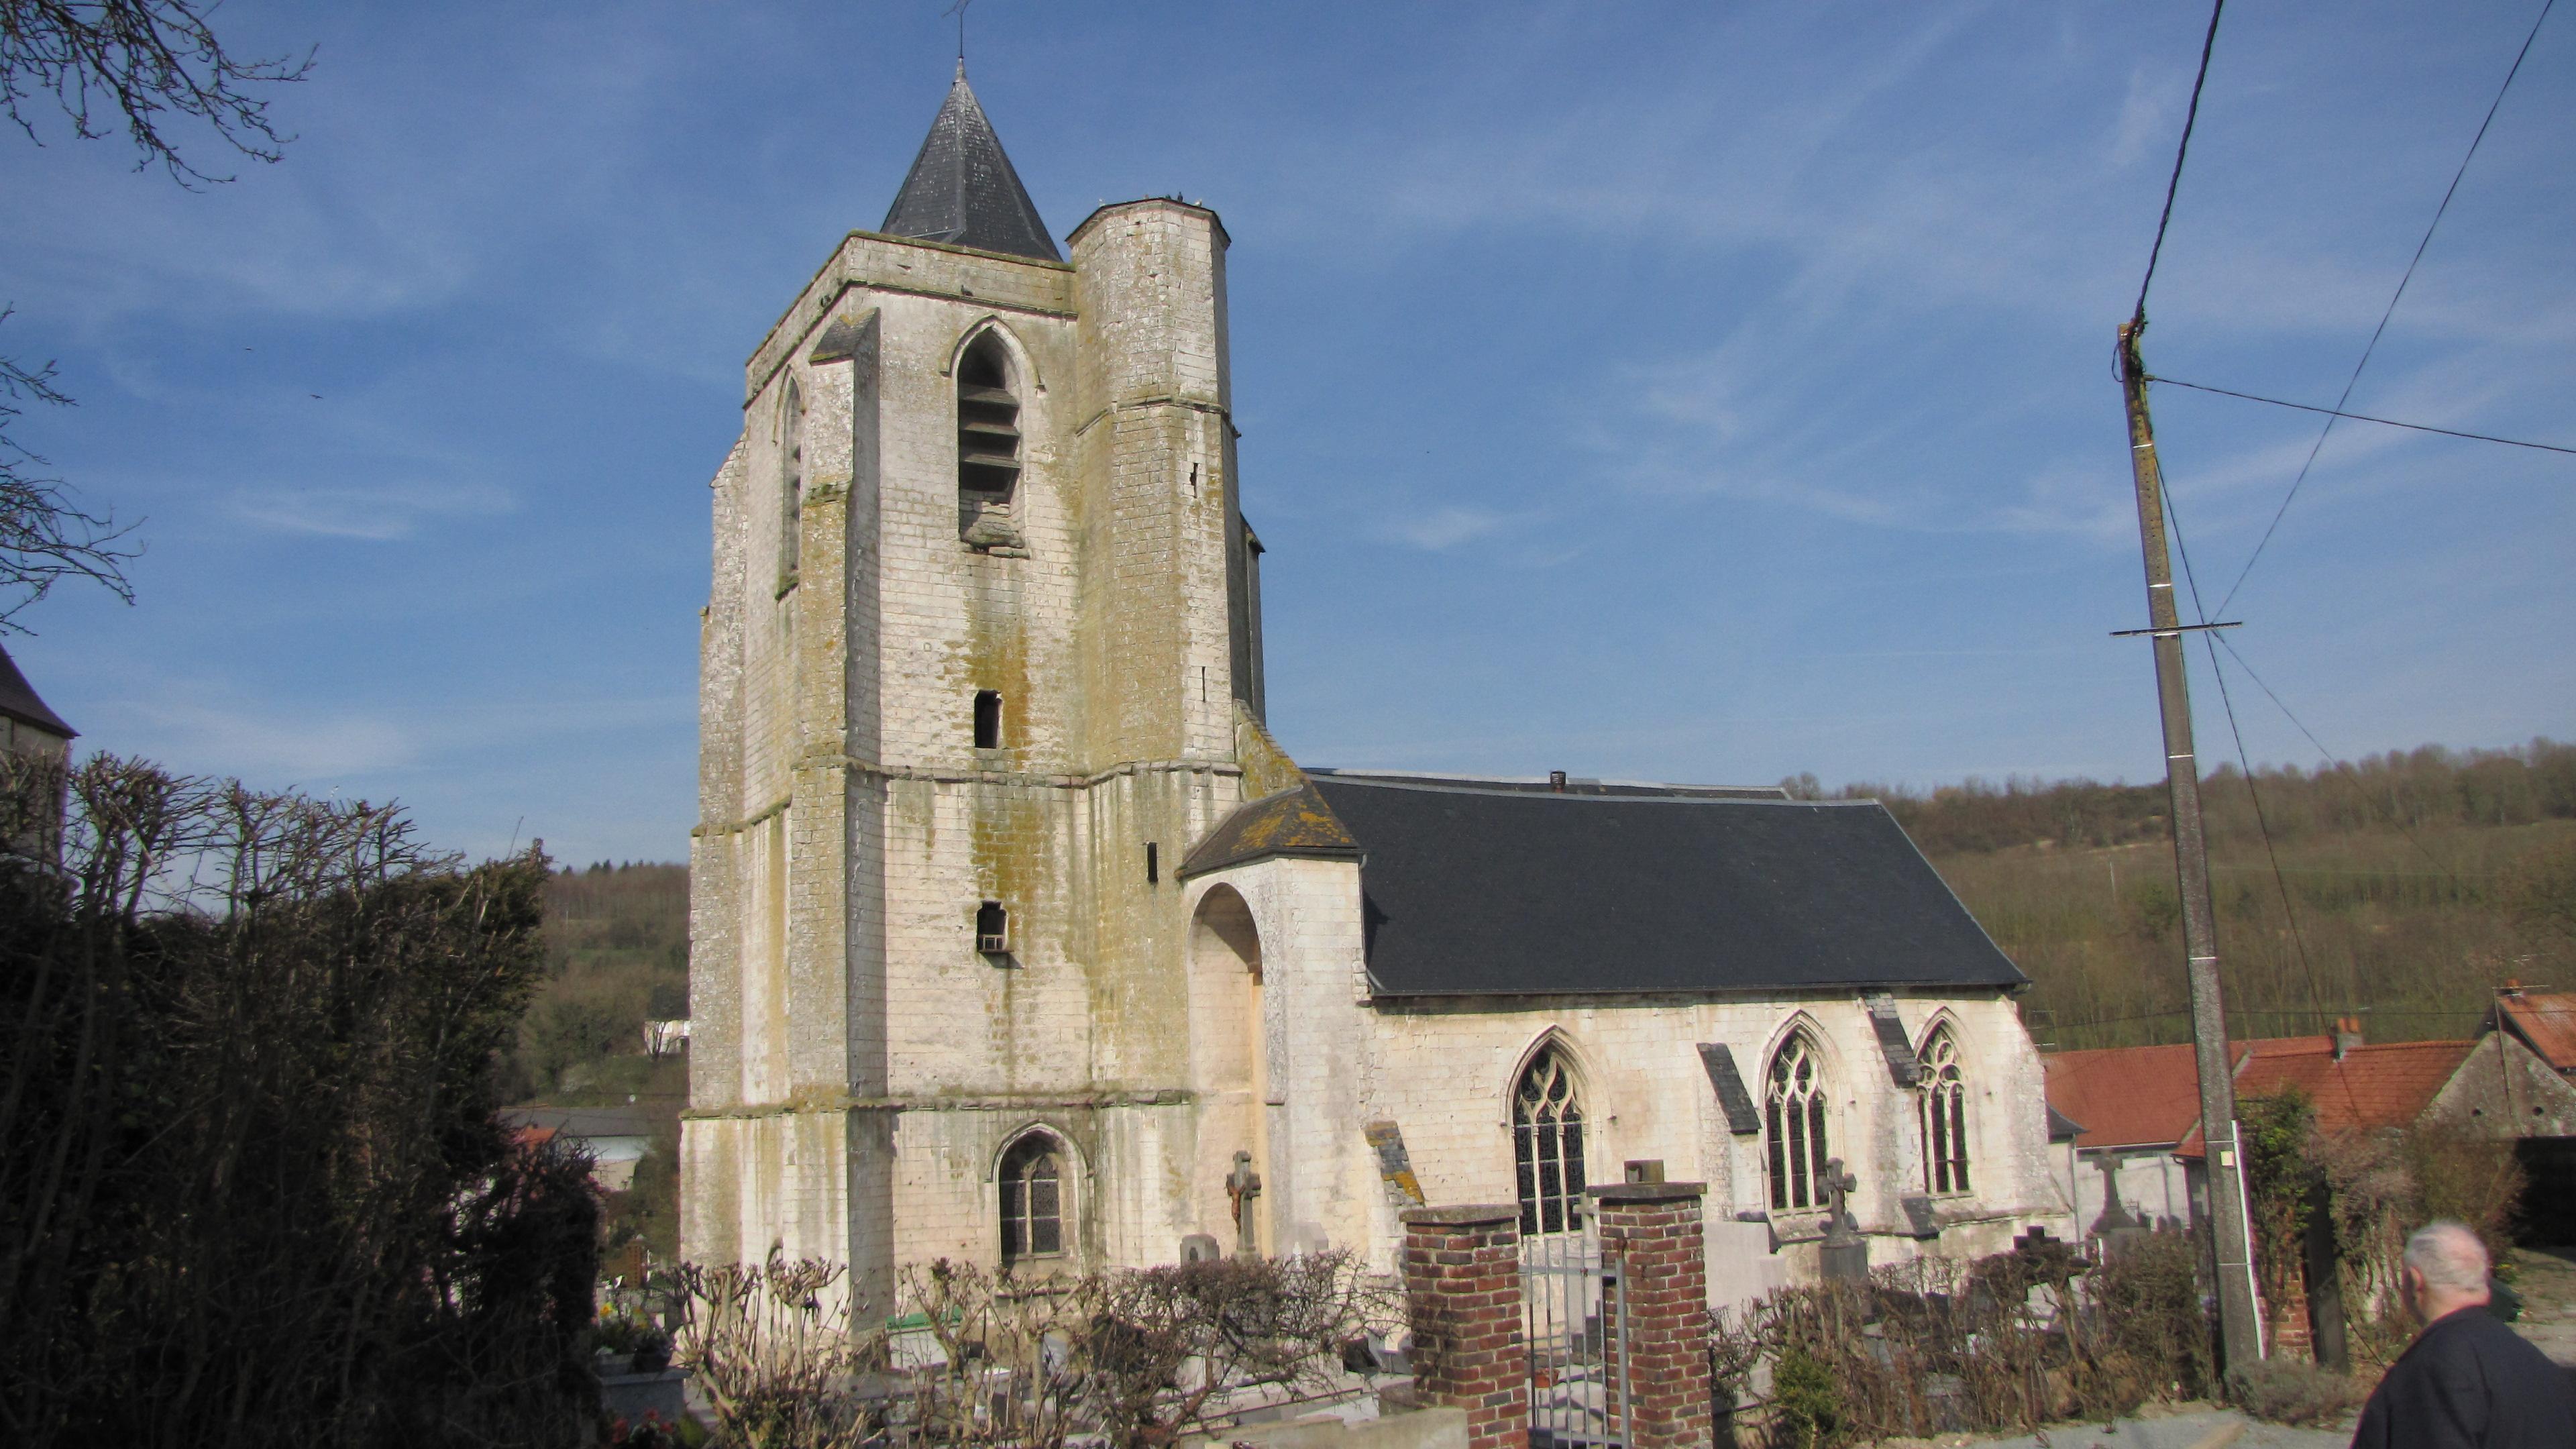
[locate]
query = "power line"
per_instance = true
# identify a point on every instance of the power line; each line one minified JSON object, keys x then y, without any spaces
{"x":2341,"y":770}
{"x":2174,"y":184}
{"x":2358,"y":417}
{"x":2492,"y":106}
{"x":2057,"y":1023}
{"x":2280,"y":884}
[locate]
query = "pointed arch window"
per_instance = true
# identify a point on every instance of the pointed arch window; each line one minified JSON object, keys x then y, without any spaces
{"x":791,"y":484}
{"x":988,"y":423}
{"x":1034,"y":1220}
{"x":1942,"y":1115}
{"x":1794,"y":1119}
{"x":1547,"y":1145}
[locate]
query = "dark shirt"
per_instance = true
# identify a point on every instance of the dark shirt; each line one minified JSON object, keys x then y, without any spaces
{"x":2469,"y":1382}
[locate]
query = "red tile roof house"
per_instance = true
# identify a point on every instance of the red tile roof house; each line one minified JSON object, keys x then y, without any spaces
{"x":2139,"y":1153}
{"x":2544,"y":1021}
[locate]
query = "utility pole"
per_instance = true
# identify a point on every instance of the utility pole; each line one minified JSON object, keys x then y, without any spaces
{"x":2240,"y":1325}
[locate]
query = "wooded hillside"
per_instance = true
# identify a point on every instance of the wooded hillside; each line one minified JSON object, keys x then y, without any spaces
{"x":2409,"y":886}
{"x":617,"y":955}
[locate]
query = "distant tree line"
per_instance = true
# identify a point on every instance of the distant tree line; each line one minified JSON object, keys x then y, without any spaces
{"x":2401,"y":790}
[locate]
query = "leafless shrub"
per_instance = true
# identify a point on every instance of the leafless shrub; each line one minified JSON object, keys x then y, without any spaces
{"x":1164,"y":1346}
{"x":2288,"y":1391}
{"x":1130,"y":1357}
{"x":2011,"y":1341}
{"x":774,"y":1352}
{"x":252,"y":1189}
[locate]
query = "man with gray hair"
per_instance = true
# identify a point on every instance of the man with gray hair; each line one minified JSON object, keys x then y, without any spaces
{"x":2467,"y":1382}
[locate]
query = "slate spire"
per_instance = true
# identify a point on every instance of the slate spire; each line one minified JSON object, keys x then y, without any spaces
{"x":962,"y":189}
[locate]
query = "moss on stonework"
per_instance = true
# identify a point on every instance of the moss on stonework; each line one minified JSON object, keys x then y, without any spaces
{"x":1267,"y":770}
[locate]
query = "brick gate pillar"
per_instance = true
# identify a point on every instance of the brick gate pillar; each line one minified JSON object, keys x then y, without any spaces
{"x":1462,"y":1284}
{"x":1653,"y":1228}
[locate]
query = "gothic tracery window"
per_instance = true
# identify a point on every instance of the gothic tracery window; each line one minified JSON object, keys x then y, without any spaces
{"x":1942,"y":1116}
{"x":1033,"y":1200}
{"x":1547,"y":1145}
{"x":1794,"y":1119}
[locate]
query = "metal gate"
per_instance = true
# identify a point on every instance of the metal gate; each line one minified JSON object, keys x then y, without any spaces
{"x":1574,"y":1317}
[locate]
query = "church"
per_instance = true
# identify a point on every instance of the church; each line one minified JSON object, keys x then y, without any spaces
{"x":1016,"y":939}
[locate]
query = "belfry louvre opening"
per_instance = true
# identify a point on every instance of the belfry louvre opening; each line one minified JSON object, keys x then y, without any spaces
{"x":988,"y":422}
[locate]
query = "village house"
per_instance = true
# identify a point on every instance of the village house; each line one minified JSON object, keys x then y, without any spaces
{"x":31,"y":733}
{"x":1018,"y":940}
{"x":2139,"y":1152}
{"x":615,"y":1138}
{"x":2544,"y":1021}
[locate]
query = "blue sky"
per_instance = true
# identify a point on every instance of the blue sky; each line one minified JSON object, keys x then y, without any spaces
{"x":1694,"y":392}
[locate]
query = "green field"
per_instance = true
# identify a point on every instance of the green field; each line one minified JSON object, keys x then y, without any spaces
{"x":2403,"y":889}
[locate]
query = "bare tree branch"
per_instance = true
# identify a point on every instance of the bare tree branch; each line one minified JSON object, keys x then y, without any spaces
{"x":150,"y":63}
{"x":44,"y":537}
{"x":147,"y":61}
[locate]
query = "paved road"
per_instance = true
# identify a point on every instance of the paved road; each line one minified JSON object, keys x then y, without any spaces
{"x":2547,"y":1284}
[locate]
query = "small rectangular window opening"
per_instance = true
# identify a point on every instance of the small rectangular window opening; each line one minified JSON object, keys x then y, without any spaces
{"x":1153,"y":863}
{"x":988,"y":719}
{"x":992,"y":929}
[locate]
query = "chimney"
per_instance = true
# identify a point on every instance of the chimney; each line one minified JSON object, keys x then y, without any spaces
{"x":2347,"y":1035}
{"x":1556,"y":781}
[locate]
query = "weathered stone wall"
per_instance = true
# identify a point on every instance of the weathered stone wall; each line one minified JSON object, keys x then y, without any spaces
{"x":2153,"y":1187}
{"x":850,"y":825}
{"x":1442,"y":1071}
{"x":2503,"y":1089}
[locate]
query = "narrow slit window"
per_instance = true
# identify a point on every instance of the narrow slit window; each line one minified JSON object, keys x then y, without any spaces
{"x":791,"y":483}
{"x":1153,"y":863}
{"x":992,"y":929}
{"x":988,"y":423}
{"x":988,"y":719}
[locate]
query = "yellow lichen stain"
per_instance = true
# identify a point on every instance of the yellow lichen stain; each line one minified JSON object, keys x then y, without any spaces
{"x":1267,"y":770}
{"x":1010,"y":843}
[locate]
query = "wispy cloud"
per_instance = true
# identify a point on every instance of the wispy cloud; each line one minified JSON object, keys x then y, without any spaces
{"x":1446,"y":527}
{"x":2144,"y":124}
{"x":376,"y":515}
{"x":268,"y":746}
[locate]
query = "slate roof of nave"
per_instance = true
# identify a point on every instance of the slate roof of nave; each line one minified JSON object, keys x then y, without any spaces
{"x":961,"y":189}
{"x":1508,"y":888}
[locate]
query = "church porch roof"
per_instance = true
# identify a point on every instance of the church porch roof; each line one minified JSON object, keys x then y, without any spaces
{"x":1293,"y":822}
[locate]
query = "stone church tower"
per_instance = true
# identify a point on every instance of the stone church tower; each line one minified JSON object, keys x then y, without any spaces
{"x":1016,"y":940}
{"x":982,"y":642}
